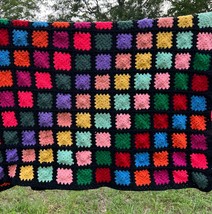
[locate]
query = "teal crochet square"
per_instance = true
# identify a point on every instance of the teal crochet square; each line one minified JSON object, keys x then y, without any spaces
{"x":205,"y":20}
{"x":10,"y":137}
{"x":184,"y":40}
{"x":142,"y":81}
{"x":27,"y":119}
{"x":83,"y":62}
{"x":83,"y":139}
{"x":103,"y":41}
{"x":63,"y":81}
{"x":102,"y":120}
{"x":124,"y":25}
{"x":45,"y":100}
{"x":45,"y":174}
{"x":163,"y":60}
{"x":122,"y":101}
{"x":64,"y":157}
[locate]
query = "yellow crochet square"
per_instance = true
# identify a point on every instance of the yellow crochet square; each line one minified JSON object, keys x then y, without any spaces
{"x":64,"y":138}
{"x":46,"y":156}
{"x":164,"y":39}
{"x":185,"y":21}
{"x":26,"y":173}
{"x":143,"y":61}
{"x":102,"y":101}
{"x":122,"y":81}
{"x":83,"y":120}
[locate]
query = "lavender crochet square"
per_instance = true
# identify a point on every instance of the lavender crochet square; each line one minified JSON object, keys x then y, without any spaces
{"x":145,"y":23}
{"x":11,"y":155}
{"x":83,"y":81}
{"x":28,"y":138}
{"x":124,"y":41}
{"x":63,"y":101}
{"x":45,"y":119}
{"x":1,"y":172}
{"x":103,"y":62}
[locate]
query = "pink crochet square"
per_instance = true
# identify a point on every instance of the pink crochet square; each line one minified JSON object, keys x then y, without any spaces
{"x":9,"y":119}
{"x":102,"y":82}
{"x":46,"y":137}
{"x":64,"y":176}
{"x":123,"y":121}
{"x":43,"y":80}
{"x":180,"y":176}
{"x":83,"y":101}
{"x":64,"y":119}
{"x":103,"y":139}
{"x":162,"y":81}
{"x":182,"y":61}
{"x":62,"y":61}
{"x":166,"y":22}
{"x":25,"y":99}
{"x":12,"y":170}
{"x":28,"y":155}
{"x":82,"y":41}
{"x":144,"y":40}
{"x":141,"y":101}
{"x":123,"y":61}
{"x":83,"y":158}
{"x":204,"y":41}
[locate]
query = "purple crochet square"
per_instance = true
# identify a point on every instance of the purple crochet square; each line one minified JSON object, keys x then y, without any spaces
{"x":1,"y":172}
{"x":28,"y":138}
{"x":103,"y":62}
{"x":63,"y":101}
{"x":41,"y":59}
{"x":11,"y":155}
{"x":6,"y":99}
{"x":23,"y":79}
{"x":45,"y":119}
{"x":124,"y":41}
{"x":83,"y":81}
{"x":145,"y":23}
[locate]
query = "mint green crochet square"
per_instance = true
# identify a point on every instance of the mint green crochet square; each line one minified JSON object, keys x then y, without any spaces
{"x":65,"y":157}
{"x":84,"y":176}
{"x":184,"y":40}
{"x":45,"y":100}
{"x":10,"y":137}
{"x":142,"y":121}
{"x":142,"y":81}
{"x":45,"y":174}
{"x":103,"y":42}
{"x":124,"y":25}
{"x":163,"y":60}
{"x":83,"y":62}
{"x":122,"y":140}
{"x":83,"y":139}
{"x":122,"y":101}
{"x":27,"y":119}
{"x":102,"y":120}
{"x":205,"y":20}
{"x":201,"y":62}
{"x":63,"y":81}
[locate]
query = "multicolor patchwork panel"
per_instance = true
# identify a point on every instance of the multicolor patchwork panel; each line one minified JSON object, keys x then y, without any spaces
{"x":123,"y":104}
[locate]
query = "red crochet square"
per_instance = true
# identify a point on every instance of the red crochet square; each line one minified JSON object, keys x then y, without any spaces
{"x":4,"y":38}
{"x":180,"y":176}
{"x":103,"y":175}
{"x":142,"y":141}
{"x":161,"y":121}
{"x":122,"y":159}
{"x":199,"y":161}
{"x":9,"y":119}
{"x":199,"y":83}
{"x":25,"y":99}
{"x":43,"y":80}
{"x":62,"y":61}
{"x":82,"y":41}
{"x":180,"y":102}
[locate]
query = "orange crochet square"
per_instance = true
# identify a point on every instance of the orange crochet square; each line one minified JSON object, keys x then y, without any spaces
{"x":6,"y":79}
{"x":198,"y":122}
{"x":61,"y":24}
{"x":21,"y":58}
{"x":142,"y":177}
{"x":160,"y":158}
{"x":179,"y":140}
{"x":40,"y":39}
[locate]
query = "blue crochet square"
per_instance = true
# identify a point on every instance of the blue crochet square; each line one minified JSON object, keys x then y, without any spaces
{"x":198,"y":103}
{"x":122,"y":177}
{"x":179,"y":121}
{"x":4,"y":58}
{"x":142,"y":159}
{"x":20,"y":37}
{"x":160,"y":140}
{"x":40,"y":24}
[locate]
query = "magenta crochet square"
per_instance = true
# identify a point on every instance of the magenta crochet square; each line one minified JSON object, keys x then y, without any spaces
{"x":41,"y":59}
{"x":61,"y":39}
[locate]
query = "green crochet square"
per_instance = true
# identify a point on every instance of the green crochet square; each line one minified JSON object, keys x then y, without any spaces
{"x":10,"y":137}
{"x":205,"y":20}
{"x":184,"y":40}
{"x":65,"y":157}
{"x":142,"y":121}
{"x":142,"y":81}
{"x":4,"y":21}
{"x":181,"y":81}
{"x":27,"y":119}
{"x":1,"y":157}
{"x":63,"y":81}
{"x":124,"y":25}
{"x":102,"y":120}
{"x":83,"y":62}
{"x":45,"y":174}
{"x":202,"y":62}
{"x":163,"y":60}
{"x":122,"y":101}
{"x":84,"y":176}
{"x":103,"y":41}
{"x":122,"y":140}
{"x":45,"y":100}
{"x":161,"y":101}
{"x":83,"y":139}
{"x":103,"y":158}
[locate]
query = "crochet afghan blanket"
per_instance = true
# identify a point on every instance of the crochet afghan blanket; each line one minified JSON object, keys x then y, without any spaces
{"x":123,"y":104}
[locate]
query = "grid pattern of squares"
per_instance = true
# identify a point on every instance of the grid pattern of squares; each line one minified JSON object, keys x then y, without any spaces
{"x":121,"y":104}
